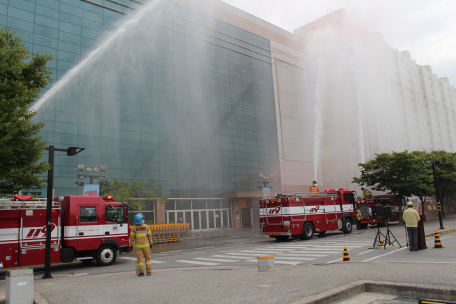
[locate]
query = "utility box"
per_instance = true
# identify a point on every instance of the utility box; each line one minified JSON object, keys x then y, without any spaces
{"x":19,"y":286}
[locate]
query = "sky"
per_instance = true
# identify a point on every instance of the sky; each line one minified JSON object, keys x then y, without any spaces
{"x":426,"y":28}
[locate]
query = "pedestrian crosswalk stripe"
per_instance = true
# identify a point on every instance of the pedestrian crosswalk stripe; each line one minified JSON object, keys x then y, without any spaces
{"x":313,"y":251}
{"x":282,"y":262}
{"x":198,"y":263}
{"x":217,"y":260}
{"x":134,"y":259}
{"x":262,"y":251}
{"x":293,"y":258}
{"x":305,"y":255}
{"x":232,"y":257}
{"x":246,"y":254}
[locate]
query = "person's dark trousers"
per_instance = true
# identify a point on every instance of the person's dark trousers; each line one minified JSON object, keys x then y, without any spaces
{"x":358,"y":225}
{"x":413,"y":238}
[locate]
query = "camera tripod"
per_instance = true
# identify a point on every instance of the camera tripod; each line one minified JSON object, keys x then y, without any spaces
{"x":389,"y":235}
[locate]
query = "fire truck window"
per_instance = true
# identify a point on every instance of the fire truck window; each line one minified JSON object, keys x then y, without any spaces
{"x":88,"y":214}
{"x":345,"y":196}
{"x":351,"y":199}
{"x":115,"y":214}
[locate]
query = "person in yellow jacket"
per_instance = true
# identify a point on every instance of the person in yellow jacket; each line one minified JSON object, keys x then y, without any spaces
{"x":359,"y":217}
{"x":314,"y":187}
{"x":411,"y":219}
{"x":366,"y":193}
{"x":141,"y":236}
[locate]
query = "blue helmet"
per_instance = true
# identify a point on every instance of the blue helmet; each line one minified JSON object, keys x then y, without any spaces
{"x":138,"y":219}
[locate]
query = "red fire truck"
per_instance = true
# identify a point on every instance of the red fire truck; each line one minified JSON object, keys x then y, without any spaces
{"x":83,"y":228}
{"x":385,"y":200}
{"x":300,"y":215}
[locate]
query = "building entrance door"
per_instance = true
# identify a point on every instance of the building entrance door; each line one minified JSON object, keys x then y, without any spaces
{"x":246,"y":218}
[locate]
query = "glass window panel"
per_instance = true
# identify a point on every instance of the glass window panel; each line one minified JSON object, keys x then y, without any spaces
{"x":171,"y":217}
{"x":211,"y":219}
{"x":115,"y":214}
{"x":170,"y":205}
{"x":50,"y":22}
{"x":199,"y":204}
{"x":196,"y":220}
{"x":183,"y":205}
{"x":213,"y":204}
{"x":20,"y":14}
{"x":225,"y":218}
{"x":71,"y":9}
{"x":70,"y":28}
{"x":88,"y":214}
{"x":203,"y":220}
{"x":20,"y":24}
{"x":46,"y":11}
{"x":218,"y":219}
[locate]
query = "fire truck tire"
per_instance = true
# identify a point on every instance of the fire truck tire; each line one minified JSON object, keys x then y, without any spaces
{"x":307,"y":231}
{"x":348,"y":226}
{"x":106,"y":255}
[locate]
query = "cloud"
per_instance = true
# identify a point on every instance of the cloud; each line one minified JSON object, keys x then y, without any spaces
{"x":425,"y":28}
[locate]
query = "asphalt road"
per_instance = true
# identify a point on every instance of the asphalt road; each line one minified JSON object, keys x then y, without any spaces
{"x":223,"y":269}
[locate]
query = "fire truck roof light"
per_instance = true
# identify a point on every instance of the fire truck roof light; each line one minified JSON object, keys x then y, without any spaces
{"x":108,"y":198}
{"x":343,"y":189}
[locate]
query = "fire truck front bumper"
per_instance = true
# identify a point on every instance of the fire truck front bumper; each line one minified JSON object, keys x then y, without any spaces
{"x":277,"y":233}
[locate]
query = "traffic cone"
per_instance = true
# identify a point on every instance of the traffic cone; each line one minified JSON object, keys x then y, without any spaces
{"x":437,"y":243}
{"x":382,"y":243}
{"x":346,"y":257}
{"x":174,"y":238}
{"x":159,"y":239}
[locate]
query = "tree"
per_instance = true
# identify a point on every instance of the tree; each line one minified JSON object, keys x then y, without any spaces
{"x":400,"y":173}
{"x":22,"y":77}
{"x":446,"y":173}
{"x":136,"y":193}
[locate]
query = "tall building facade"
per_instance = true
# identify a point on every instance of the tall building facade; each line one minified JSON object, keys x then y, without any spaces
{"x":202,"y":98}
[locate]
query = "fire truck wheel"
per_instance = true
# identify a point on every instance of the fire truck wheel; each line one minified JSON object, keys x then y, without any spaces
{"x":106,"y":255}
{"x":307,"y":231}
{"x":347,"y":229}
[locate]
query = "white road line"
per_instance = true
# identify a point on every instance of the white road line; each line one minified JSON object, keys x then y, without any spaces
{"x":231,"y":257}
{"x":172,"y":251}
{"x":379,"y":256}
{"x":261,"y":251}
{"x":282,"y":262}
{"x":293,"y":258}
{"x":246,"y":254}
{"x":203,"y":247}
{"x":365,"y":252}
{"x":134,"y":259}
{"x":335,"y":261}
{"x":198,"y":263}
{"x":304,"y":255}
{"x":217,"y":260}
{"x":321,"y":249}
{"x":311,"y":251}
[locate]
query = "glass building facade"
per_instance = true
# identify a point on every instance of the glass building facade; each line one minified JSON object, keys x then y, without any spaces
{"x":184,"y":98}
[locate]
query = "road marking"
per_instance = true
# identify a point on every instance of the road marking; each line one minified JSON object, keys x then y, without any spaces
{"x":172,"y":251}
{"x":322,"y":252}
{"x":293,"y":258}
{"x":304,"y":255}
{"x":379,"y":256}
{"x":198,"y":263}
{"x":246,"y":254}
{"x":365,"y":252}
{"x":217,"y":260}
{"x":203,"y":247}
{"x":281,"y":262}
{"x":335,"y":261}
{"x":231,"y":257}
{"x":134,"y":259}
{"x":261,"y":251}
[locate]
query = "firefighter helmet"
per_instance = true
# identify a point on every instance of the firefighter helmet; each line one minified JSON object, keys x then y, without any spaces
{"x":314,"y":182}
{"x":138,"y":219}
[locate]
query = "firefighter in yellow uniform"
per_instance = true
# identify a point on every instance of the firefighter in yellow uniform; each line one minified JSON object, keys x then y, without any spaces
{"x":142,"y":237}
{"x":366,"y":193}
{"x":314,"y":187}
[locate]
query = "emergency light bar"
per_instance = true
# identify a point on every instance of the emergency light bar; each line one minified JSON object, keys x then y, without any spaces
{"x":108,"y":198}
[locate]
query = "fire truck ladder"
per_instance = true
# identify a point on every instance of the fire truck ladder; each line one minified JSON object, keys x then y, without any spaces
{"x":259,"y":225}
{"x":11,"y":204}
{"x":307,"y":194}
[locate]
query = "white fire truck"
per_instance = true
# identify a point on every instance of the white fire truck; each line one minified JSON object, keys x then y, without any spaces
{"x":300,"y":215}
{"x":83,"y":228}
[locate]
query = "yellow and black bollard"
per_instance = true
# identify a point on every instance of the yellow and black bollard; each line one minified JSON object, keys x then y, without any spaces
{"x":382,"y":243}
{"x":346,"y":256}
{"x":437,"y":243}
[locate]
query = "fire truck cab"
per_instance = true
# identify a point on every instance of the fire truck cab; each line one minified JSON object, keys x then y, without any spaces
{"x":83,"y":228}
{"x":300,"y":215}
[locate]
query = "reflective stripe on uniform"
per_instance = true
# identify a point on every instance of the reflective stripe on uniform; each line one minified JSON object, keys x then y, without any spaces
{"x":148,"y":262}
{"x":141,"y":264}
{"x":142,"y":245}
{"x":132,"y":233}
{"x":141,"y":234}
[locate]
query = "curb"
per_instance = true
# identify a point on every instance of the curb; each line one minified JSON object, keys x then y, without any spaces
{"x":405,"y":290}
{"x":446,"y":231}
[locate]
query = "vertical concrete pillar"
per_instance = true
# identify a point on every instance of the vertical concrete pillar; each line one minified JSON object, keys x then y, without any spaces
{"x":159,"y":212}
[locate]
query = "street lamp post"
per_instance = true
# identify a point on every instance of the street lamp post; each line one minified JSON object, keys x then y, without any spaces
{"x":436,"y":162}
{"x":50,"y":185}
